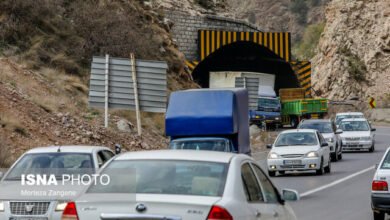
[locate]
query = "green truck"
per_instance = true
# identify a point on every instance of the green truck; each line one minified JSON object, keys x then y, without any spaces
{"x":296,"y":107}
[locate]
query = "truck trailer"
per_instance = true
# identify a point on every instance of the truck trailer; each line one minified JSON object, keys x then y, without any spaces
{"x":209,"y":119}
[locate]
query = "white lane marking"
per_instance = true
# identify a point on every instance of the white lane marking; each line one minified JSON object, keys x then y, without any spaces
{"x":336,"y":182}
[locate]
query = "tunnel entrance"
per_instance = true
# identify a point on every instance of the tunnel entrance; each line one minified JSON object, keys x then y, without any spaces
{"x":246,"y":56}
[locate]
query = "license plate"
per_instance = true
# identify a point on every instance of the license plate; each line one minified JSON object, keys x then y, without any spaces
{"x":27,"y":218}
{"x":292,"y":162}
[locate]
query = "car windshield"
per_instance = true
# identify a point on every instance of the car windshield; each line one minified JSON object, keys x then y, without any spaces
{"x":296,"y":138}
{"x":213,"y":145}
{"x":166,"y":177}
{"x":323,"y":127}
{"x":268,"y":103}
{"x":341,"y":117}
{"x":354,"y":126}
{"x":51,"y":163}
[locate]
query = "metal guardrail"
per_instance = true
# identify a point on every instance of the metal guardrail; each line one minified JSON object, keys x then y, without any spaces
{"x":151,"y":83}
{"x":252,"y":85}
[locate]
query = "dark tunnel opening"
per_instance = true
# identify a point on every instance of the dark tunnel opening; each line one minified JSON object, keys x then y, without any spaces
{"x":246,"y":57}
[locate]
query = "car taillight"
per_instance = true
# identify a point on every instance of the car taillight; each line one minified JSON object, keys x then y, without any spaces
{"x":218,"y":213}
{"x":379,"y":186}
{"x":70,"y":212}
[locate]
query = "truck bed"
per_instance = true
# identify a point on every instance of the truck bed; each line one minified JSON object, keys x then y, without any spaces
{"x":304,"y":106}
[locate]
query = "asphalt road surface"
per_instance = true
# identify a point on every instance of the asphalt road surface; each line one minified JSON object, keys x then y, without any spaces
{"x":342,"y":194}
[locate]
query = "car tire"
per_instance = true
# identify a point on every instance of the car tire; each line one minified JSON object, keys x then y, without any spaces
{"x":372,"y":148}
{"x":328,"y":168}
{"x":271,"y":173}
{"x":340,"y":156}
{"x":379,"y":215}
{"x":321,"y":170}
{"x":294,"y":122}
{"x":282,"y":172}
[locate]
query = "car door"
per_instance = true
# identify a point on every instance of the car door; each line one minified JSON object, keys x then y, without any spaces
{"x":255,"y":198}
{"x":272,"y":197}
{"x":325,"y":150}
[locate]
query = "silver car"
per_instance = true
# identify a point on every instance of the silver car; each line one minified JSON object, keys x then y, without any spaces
{"x":299,"y":150}
{"x":329,"y":132}
{"x":183,"y":185}
{"x":357,"y":135}
{"x":345,"y":115}
{"x":36,"y":202}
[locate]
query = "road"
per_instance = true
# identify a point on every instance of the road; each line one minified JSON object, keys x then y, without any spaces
{"x":342,"y":194}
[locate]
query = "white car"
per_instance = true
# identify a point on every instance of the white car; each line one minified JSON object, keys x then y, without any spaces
{"x":380,"y":195}
{"x":183,"y":185}
{"x":53,"y":159}
{"x":357,"y":135}
{"x":344,"y":115}
{"x":299,"y":150}
{"x":328,"y":131}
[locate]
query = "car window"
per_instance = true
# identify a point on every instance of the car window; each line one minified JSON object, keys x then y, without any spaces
{"x":386,"y":162}
{"x":323,"y":127}
{"x":251,"y":186}
{"x":354,"y":126}
{"x":108,"y":154}
{"x":101,"y":158}
{"x":322,"y":140}
{"x":269,"y":190}
{"x":164,"y":177}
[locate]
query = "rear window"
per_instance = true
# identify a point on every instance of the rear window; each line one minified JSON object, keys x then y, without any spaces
{"x":323,"y":127}
{"x":213,"y":145}
{"x":165,"y":177}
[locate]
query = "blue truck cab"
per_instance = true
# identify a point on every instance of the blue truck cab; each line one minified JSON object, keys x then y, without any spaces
{"x":268,"y":108}
{"x":209,"y":119}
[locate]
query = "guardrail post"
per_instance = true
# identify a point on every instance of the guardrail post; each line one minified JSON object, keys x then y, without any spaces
{"x":137,"y":110}
{"x":106,"y":91}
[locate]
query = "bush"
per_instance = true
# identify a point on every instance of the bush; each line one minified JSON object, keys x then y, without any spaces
{"x":307,"y":47}
{"x":357,"y":69}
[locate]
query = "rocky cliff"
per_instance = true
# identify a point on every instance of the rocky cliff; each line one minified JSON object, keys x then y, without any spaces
{"x":354,"y":52}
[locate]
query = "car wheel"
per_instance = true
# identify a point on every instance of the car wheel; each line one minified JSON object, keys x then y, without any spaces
{"x":294,"y":122}
{"x":271,"y":173}
{"x":372,"y":148}
{"x":281,"y":172}
{"x":379,"y":215}
{"x":335,"y":155}
{"x":328,"y":168}
{"x":321,"y":170}
{"x":340,"y":156}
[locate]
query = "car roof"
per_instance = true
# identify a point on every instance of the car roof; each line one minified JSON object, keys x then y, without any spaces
{"x":299,"y":130}
{"x":67,"y":149}
{"x":191,"y":155}
{"x":349,"y":113}
{"x":354,"y":119}
{"x":315,"y":121}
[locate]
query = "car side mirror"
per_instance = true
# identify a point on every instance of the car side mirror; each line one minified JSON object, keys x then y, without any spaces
{"x":269,"y":146}
{"x":324,"y":145}
{"x":339,"y":131}
{"x":376,"y":166}
{"x":290,"y":195}
{"x":118,"y":149}
{"x":373,"y":129}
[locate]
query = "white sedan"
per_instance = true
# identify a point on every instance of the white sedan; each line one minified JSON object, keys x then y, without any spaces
{"x":357,"y":135}
{"x":380,"y":194}
{"x":183,"y":184}
{"x":299,"y":150}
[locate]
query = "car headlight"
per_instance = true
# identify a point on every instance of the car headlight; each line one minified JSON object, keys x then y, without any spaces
{"x":1,"y":206}
{"x":256,"y":116}
{"x":61,"y":206}
{"x":329,"y":139}
{"x":366,"y":138}
{"x":312,"y":154}
{"x":277,"y":118}
{"x":273,"y":156}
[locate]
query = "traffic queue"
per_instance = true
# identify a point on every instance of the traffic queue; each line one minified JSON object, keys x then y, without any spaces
{"x":207,"y":172}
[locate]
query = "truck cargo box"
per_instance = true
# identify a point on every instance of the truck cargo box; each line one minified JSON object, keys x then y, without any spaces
{"x":305,"y":106}
{"x":210,"y":112}
{"x":291,"y":94}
